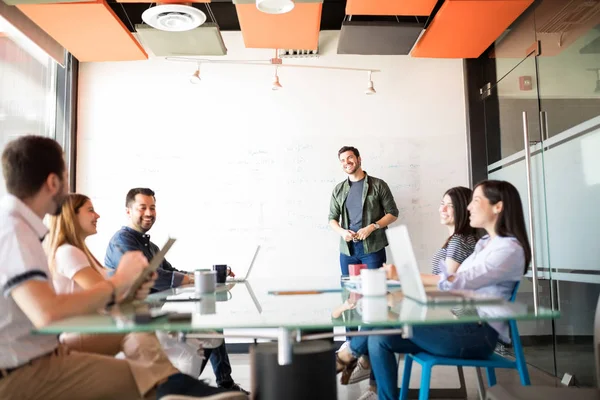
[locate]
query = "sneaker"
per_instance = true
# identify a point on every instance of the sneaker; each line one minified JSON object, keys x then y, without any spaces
{"x":237,"y":388}
{"x":368,"y":395}
{"x":361,"y":372}
{"x":181,"y":386}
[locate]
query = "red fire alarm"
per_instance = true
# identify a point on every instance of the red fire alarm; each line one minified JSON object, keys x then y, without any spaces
{"x":525,"y":83}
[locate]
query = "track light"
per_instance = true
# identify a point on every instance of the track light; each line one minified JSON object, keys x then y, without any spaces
{"x":370,"y":89}
{"x":195,"y":79}
{"x":275,"y":6}
{"x":276,"y":84}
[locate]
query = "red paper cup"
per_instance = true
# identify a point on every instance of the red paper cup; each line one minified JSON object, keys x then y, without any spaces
{"x":354,"y":269}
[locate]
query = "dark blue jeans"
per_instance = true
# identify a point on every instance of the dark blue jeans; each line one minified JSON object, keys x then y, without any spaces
{"x":219,"y":359}
{"x":471,"y":340}
{"x":358,"y":256}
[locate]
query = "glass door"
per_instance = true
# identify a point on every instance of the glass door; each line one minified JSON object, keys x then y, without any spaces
{"x":515,"y":152}
{"x":568,"y":71}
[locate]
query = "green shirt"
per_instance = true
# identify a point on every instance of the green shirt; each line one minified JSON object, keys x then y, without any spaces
{"x":377,"y":201}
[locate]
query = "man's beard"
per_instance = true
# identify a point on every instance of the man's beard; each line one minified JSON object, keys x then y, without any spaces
{"x":59,"y":199}
{"x":142,"y":227}
{"x":356,"y":167}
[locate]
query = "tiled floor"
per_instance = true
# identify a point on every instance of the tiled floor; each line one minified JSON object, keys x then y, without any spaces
{"x":442,"y":377}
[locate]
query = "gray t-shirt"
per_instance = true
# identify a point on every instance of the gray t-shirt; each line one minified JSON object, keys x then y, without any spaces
{"x":354,"y":205}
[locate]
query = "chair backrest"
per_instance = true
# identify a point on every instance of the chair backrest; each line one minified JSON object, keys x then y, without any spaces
{"x":597,"y":342}
{"x":513,"y":296}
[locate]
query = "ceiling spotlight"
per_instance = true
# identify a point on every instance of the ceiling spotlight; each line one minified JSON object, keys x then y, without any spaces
{"x":275,"y":6}
{"x":276,"y":84}
{"x":196,"y":76}
{"x":370,"y":89}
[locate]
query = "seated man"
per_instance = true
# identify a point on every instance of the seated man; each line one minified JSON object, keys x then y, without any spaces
{"x":37,"y":366}
{"x":140,"y":205}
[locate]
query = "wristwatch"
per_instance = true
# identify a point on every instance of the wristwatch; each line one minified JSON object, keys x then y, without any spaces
{"x":376,"y":226}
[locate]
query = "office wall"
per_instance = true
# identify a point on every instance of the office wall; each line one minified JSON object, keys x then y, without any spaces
{"x":235,"y":164}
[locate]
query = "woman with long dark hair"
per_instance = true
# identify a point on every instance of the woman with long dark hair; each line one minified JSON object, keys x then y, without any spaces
{"x":462,"y":237}
{"x":499,"y":261}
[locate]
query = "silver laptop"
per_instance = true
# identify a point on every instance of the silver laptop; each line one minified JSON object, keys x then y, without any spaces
{"x":236,"y":279}
{"x":410,"y":277}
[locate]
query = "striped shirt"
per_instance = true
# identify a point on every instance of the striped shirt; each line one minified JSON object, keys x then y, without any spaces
{"x":459,"y":248}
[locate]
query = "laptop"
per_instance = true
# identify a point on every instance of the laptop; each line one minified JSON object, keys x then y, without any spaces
{"x":236,"y":279}
{"x":410,"y":277}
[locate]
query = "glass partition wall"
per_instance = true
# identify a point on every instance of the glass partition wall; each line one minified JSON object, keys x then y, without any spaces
{"x":542,"y":127}
{"x":28,"y":92}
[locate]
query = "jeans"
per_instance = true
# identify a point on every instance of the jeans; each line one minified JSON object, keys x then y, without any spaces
{"x":358,"y":256}
{"x":470,"y":340}
{"x":359,"y":346}
{"x":219,"y":359}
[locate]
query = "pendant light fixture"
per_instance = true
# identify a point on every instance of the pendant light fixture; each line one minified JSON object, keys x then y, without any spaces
{"x":370,"y":88}
{"x":276,"y":84}
{"x":195,"y":78}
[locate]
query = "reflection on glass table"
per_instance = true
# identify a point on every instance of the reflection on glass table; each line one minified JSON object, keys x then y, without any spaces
{"x":249,"y":305}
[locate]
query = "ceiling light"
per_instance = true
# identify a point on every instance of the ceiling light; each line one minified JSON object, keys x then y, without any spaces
{"x":276,"y":84}
{"x":370,"y":89}
{"x":196,"y":76}
{"x":275,"y":6}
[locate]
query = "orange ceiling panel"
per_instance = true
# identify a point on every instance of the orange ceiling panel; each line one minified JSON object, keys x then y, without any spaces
{"x":390,"y":7}
{"x":90,"y":31}
{"x":297,"y":29}
{"x":465,"y":28}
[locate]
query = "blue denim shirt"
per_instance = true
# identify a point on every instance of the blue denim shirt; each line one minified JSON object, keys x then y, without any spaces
{"x":127,"y":239}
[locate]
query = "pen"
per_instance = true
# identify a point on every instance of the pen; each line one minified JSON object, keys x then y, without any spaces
{"x":298,"y":292}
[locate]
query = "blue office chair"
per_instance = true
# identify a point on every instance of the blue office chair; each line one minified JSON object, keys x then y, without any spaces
{"x":428,"y":361}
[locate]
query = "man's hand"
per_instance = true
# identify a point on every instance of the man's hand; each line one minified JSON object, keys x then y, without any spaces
{"x":348,"y":235}
{"x":390,"y":272}
{"x":187,"y":280}
{"x":130,"y":267}
{"x":230,"y":272}
{"x":365,"y":232}
{"x":144,"y":290}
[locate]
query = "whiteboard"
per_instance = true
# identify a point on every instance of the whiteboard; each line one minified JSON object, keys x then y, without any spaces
{"x":234,"y":164}
{"x":271,"y":193}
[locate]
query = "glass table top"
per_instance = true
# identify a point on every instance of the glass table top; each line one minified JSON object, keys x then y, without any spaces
{"x":252,"y":304}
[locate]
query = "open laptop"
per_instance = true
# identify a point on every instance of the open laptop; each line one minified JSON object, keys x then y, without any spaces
{"x":236,"y":279}
{"x":410,"y":276}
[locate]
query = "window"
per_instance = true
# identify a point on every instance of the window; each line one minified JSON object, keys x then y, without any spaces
{"x":28,"y":79}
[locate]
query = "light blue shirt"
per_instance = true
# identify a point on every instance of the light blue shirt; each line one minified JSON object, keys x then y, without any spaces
{"x":493,"y":269}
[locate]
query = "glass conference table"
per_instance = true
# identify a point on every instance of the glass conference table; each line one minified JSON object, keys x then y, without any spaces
{"x":295,"y":317}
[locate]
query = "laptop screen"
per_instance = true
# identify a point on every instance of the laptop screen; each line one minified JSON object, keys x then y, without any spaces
{"x":401,"y":250}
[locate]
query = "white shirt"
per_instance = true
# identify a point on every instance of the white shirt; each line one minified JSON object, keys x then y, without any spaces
{"x":493,"y":269}
{"x":22,"y":259}
{"x":68,"y":261}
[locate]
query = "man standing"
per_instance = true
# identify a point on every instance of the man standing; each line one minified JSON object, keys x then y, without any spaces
{"x":37,"y":366}
{"x":140,"y":205}
{"x":361,"y":208}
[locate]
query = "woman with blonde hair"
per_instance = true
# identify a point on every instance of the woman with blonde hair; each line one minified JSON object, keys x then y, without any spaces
{"x":74,"y":268}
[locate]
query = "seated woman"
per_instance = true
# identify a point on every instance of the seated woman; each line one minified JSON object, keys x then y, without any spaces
{"x":74,"y":268}
{"x":498,"y":263}
{"x":462,"y":237}
{"x":457,"y":247}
